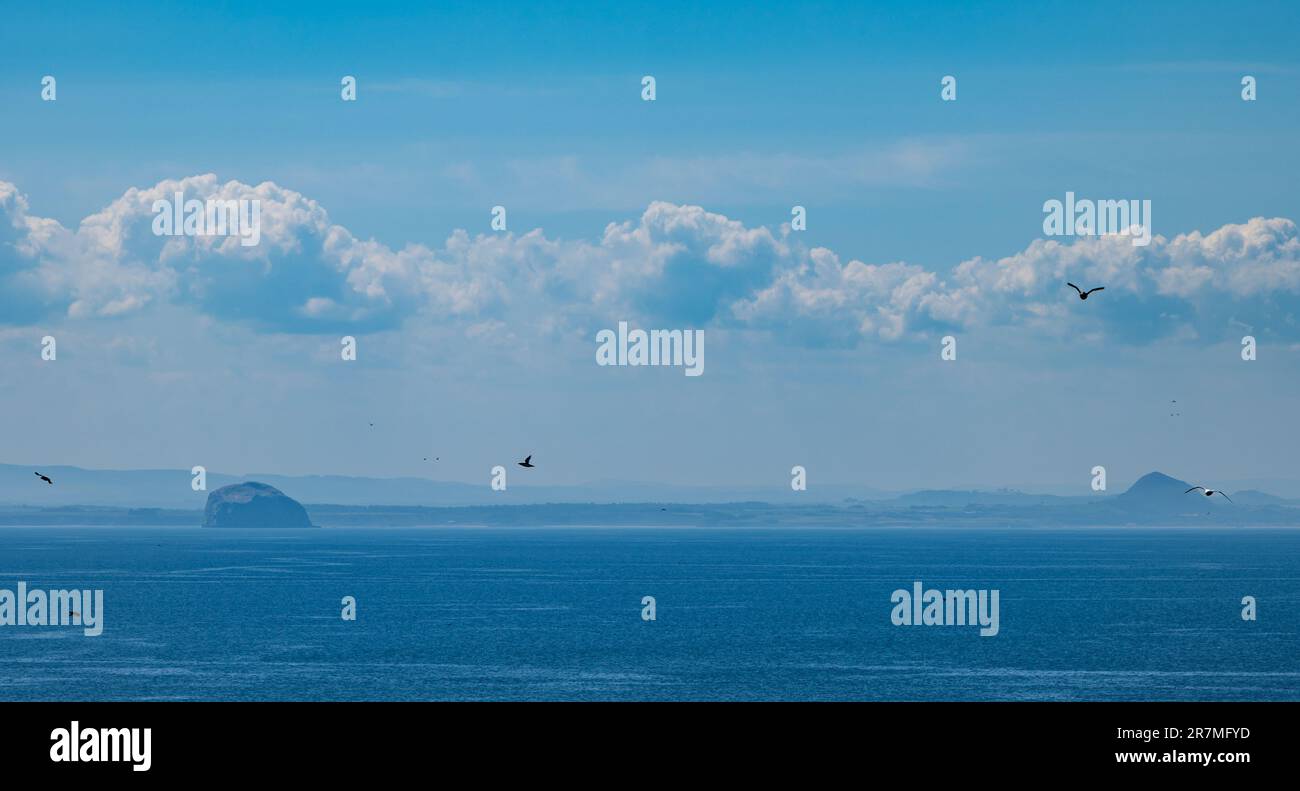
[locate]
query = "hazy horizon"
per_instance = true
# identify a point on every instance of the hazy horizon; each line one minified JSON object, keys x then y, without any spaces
{"x":172,"y":489}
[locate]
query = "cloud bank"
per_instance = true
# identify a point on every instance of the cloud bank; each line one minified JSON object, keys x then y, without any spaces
{"x":673,"y":266}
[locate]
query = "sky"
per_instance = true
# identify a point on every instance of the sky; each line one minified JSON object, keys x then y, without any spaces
{"x":478,"y":346}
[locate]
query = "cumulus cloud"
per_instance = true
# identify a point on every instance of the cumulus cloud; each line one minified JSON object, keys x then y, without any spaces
{"x":45,"y":268}
{"x":1190,"y":286}
{"x":675,"y":265}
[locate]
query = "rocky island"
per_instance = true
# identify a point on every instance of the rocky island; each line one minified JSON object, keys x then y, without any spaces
{"x":252,"y":504}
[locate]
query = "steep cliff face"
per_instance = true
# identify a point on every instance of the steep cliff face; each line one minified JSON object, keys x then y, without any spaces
{"x":253,"y":504}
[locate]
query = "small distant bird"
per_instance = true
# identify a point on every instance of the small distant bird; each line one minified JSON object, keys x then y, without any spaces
{"x":1084,"y":294}
{"x":43,"y":478}
{"x":1208,"y":492}
{"x":527,"y":462}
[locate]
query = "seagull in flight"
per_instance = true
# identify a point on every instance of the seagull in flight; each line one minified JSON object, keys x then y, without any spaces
{"x":44,"y":478}
{"x":1208,"y":492}
{"x":1084,"y":294}
{"x":527,"y":462}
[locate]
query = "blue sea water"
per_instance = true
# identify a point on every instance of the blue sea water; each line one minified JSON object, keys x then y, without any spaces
{"x":555,"y":614}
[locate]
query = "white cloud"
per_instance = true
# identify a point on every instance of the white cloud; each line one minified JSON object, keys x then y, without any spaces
{"x":673,"y":264}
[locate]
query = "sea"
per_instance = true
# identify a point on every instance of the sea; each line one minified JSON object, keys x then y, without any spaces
{"x":739,"y":614}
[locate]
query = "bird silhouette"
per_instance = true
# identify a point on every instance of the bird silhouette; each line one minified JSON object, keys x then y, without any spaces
{"x":1208,"y":492}
{"x":44,"y":478}
{"x":1084,"y":294}
{"x":527,"y":462}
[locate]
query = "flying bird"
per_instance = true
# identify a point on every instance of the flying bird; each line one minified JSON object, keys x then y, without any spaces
{"x":1084,"y":294}
{"x":44,"y":478}
{"x":1208,"y":492}
{"x":527,"y":462}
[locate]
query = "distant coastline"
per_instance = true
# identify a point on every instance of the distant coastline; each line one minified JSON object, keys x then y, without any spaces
{"x":1154,"y":500}
{"x":751,"y":514}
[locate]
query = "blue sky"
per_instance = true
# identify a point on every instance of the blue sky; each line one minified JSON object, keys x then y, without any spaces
{"x":482,"y":349}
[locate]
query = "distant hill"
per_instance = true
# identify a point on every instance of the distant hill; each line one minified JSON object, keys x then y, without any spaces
{"x":1157,"y":493}
{"x":1156,"y":489}
{"x":1256,"y":497}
